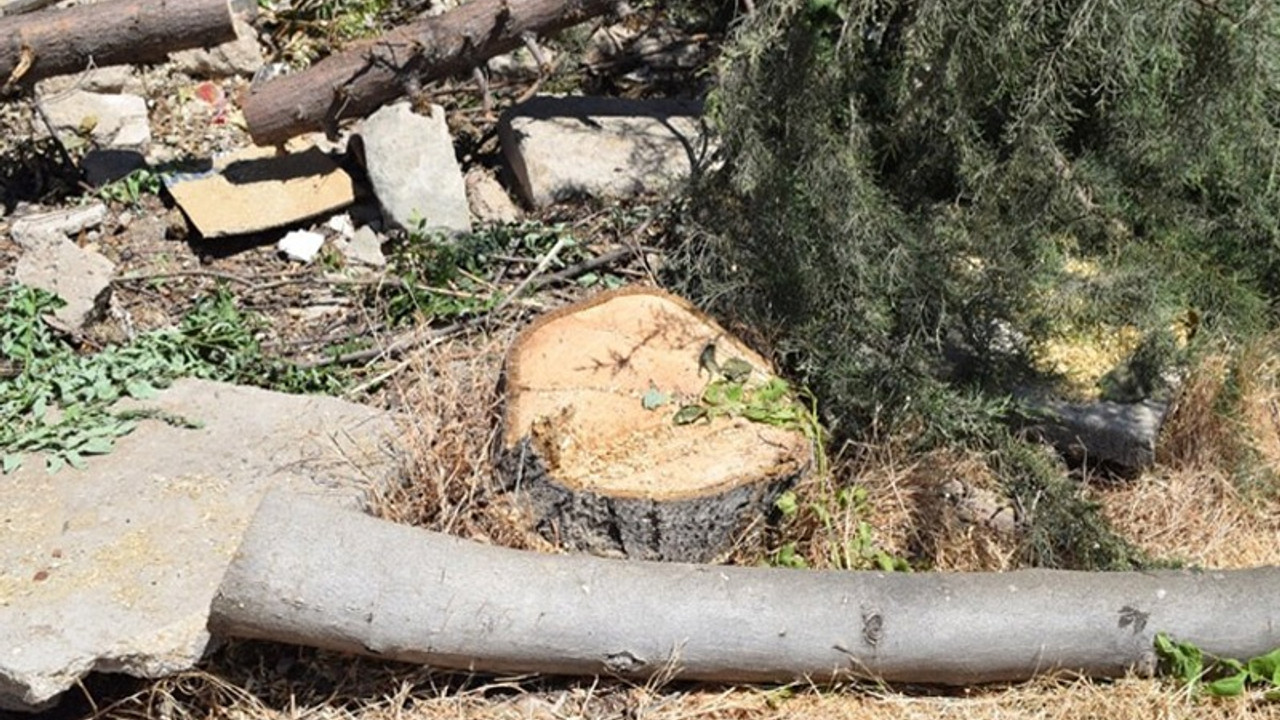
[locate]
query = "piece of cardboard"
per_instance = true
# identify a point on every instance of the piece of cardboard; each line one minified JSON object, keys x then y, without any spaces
{"x":257,"y":189}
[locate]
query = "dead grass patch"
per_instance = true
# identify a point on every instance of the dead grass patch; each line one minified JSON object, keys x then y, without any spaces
{"x":451,"y":403}
{"x":1212,"y":500}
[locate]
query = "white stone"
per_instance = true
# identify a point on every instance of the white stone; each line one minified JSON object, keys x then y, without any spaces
{"x":301,"y":245}
{"x":413,"y":169}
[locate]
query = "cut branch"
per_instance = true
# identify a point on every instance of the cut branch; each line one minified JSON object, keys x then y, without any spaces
{"x":42,"y":44}
{"x":354,"y":83}
{"x":316,"y":575}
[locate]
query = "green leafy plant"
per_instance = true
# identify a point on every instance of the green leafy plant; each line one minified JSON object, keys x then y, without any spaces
{"x":59,"y":403}
{"x":849,"y":538}
{"x":131,"y":188}
{"x":1219,"y":677}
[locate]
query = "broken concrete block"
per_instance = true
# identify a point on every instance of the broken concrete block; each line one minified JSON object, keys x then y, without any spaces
{"x":413,"y":169}
{"x":80,"y":277}
{"x":113,"y":568}
{"x":31,"y":230}
{"x":560,"y":148}
{"x":1119,"y":434}
{"x":254,"y":189}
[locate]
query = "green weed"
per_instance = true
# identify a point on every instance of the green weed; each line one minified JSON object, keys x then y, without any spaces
{"x":131,"y":188}
{"x":1219,"y":677}
{"x":59,"y":403}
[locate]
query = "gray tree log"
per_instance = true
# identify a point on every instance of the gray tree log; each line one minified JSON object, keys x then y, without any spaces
{"x":311,"y":574}
{"x":359,"y":80}
{"x":34,"y":46}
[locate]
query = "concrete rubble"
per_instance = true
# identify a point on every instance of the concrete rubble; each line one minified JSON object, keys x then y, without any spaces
{"x":113,"y":568}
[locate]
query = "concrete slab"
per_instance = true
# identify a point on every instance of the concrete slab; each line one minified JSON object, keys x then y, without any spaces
{"x":560,"y":148}
{"x":113,"y":568}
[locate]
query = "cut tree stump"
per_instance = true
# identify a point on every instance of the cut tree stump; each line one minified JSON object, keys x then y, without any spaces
{"x":42,"y":44}
{"x":603,"y":466}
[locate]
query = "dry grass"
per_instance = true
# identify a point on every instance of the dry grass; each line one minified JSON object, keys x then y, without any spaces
{"x":451,"y":426}
{"x":1214,"y":499}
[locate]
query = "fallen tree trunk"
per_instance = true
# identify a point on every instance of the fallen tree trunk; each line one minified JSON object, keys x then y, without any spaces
{"x":359,"y":80}
{"x":311,"y":574}
{"x":38,"y":45}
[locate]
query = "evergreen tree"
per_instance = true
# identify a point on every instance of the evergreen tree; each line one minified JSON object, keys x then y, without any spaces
{"x":906,"y":182}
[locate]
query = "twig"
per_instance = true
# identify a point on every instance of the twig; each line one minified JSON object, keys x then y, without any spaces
{"x":529,"y":279}
{"x":421,"y":336}
{"x":184,"y":273}
{"x":583,"y":267}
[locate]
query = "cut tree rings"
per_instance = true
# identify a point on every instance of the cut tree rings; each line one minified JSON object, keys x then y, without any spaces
{"x":634,"y":425}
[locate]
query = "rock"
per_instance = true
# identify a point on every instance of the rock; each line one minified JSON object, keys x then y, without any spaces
{"x":80,"y":277}
{"x":115,"y":126}
{"x":520,"y":64}
{"x":254,"y":189}
{"x":108,"y":122}
{"x":413,"y":169}
{"x":300,"y":245}
{"x":488,"y":200}
{"x":560,"y":148}
{"x":1122,"y":435}
{"x":113,"y":79}
{"x":365,"y":247}
{"x":238,"y":57}
{"x":113,"y":568}
{"x":31,"y":230}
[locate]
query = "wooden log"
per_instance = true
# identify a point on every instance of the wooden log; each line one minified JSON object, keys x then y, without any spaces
{"x":362,"y":78}
{"x":38,"y":45}
{"x":312,"y":574}
{"x":590,"y":438}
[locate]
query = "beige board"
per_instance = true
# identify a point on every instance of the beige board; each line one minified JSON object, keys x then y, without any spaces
{"x":257,"y":189}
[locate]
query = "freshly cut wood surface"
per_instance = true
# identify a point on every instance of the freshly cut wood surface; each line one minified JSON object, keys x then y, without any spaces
{"x":579,"y":439}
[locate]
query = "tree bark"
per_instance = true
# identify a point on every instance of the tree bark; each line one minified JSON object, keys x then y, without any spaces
{"x":311,"y":574}
{"x":359,"y":80}
{"x":38,"y":45}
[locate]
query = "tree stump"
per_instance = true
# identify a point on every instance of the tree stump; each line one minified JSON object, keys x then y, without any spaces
{"x":635,"y":425}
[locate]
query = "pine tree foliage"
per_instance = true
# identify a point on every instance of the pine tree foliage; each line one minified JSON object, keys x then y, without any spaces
{"x":903,"y":176}
{"x":906,"y":182}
